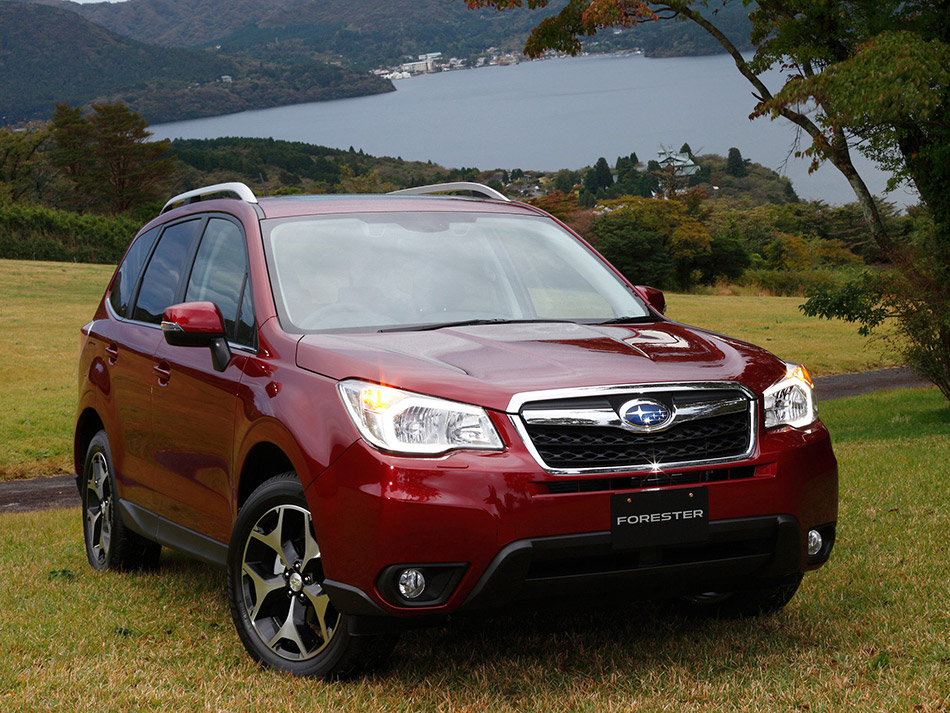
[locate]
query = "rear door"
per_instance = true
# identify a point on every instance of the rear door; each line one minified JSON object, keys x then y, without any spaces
{"x":124,"y":350}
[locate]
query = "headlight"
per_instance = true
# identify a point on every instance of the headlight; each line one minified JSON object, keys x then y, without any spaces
{"x":790,"y":401}
{"x":403,"y":422}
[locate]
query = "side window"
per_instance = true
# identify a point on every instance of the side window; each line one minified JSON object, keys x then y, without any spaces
{"x":220,"y":276}
{"x":164,"y":271}
{"x":245,"y":331}
{"x":129,"y":272}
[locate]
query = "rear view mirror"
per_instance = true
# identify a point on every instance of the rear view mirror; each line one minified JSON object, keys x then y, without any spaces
{"x":653,"y":296}
{"x":197,"y":324}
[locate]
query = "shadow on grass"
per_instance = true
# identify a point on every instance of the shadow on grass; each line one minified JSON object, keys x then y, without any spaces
{"x":551,"y":647}
{"x":565,"y":645}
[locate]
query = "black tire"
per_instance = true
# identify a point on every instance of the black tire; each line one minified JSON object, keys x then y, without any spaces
{"x":283,"y":616}
{"x":109,"y":543}
{"x":761,"y":599}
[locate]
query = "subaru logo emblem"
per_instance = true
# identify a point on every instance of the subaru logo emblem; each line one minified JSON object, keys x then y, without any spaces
{"x":645,"y":415}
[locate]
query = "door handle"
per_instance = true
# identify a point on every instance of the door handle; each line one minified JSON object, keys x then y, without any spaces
{"x":112,"y":354}
{"x":163,"y":372}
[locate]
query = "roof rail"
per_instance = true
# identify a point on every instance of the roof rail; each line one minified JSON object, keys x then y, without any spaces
{"x":476,"y":189}
{"x":235,"y":190}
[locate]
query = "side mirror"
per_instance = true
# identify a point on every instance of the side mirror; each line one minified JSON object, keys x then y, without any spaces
{"x":197,"y":324}
{"x":653,"y":296}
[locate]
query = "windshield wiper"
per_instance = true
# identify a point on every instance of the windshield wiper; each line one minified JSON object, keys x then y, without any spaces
{"x":643,"y":319}
{"x":467,"y":323}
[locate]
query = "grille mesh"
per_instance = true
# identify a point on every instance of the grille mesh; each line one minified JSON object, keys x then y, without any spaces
{"x":698,"y":441}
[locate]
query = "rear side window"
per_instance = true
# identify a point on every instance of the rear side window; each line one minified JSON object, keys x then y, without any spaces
{"x":220,"y":275}
{"x":129,"y":272}
{"x":160,"y":284}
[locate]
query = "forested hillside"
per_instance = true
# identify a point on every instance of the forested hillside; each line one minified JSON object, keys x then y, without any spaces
{"x":223,"y":56}
{"x":372,"y":33}
{"x":50,"y":55}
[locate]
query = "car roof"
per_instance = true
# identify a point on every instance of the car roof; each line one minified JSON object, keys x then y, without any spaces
{"x":293,"y":206}
{"x":432,"y":198}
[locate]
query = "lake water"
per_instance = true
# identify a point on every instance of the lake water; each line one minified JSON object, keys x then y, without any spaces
{"x":552,"y":114}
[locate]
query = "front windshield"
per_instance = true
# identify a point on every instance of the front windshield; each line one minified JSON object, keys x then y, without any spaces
{"x":371,"y":272}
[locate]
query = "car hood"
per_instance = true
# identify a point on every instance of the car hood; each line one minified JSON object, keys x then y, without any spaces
{"x":487,"y":364}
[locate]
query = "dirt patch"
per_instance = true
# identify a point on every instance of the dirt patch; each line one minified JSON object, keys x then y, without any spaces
{"x":39,"y":494}
{"x":841,"y":386}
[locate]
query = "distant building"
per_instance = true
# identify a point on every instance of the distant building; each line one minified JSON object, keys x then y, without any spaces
{"x":681,"y":163}
{"x":426,"y":63}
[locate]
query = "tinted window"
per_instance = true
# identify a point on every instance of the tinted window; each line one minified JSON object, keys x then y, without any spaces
{"x":220,"y":271}
{"x":164,"y":270}
{"x":245,"y":330}
{"x":129,"y":272}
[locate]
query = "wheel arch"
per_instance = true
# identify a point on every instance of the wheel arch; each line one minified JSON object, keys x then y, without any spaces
{"x":88,"y":424}
{"x":263,"y":461}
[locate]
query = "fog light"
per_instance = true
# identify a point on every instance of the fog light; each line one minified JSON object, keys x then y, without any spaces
{"x":815,"y":542}
{"x":412,"y":583}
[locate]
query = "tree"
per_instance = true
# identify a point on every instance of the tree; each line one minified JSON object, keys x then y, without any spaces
{"x":686,"y":150}
{"x":24,"y":171}
{"x":599,"y":176}
{"x":73,"y":152}
{"x":871,"y":74}
{"x":108,"y":159}
{"x":686,"y":240}
{"x":728,"y":257}
{"x":565,"y":180}
{"x":351,"y":182}
{"x":735,"y":164}
{"x":639,"y":254}
{"x":627,"y":166}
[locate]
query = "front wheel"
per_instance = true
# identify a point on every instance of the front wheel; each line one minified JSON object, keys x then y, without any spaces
{"x":282,"y":614}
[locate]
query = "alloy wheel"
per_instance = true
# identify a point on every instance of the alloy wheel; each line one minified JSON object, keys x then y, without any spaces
{"x":281,"y":574}
{"x":99,"y":508}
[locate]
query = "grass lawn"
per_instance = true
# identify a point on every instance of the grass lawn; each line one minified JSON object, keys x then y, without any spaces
{"x":43,"y":305}
{"x":869,"y":632}
{"x":824,"y":346}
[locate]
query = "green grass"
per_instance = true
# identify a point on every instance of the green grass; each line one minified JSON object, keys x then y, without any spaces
{"x":868,"y":632}
{"x":824,"y":346}
{"x":43,"y":305}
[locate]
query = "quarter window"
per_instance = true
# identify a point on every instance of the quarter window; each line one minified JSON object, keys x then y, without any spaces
{"x":129,"y":272}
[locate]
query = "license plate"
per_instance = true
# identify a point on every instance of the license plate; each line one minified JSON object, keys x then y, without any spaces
{"x":657,"y":518}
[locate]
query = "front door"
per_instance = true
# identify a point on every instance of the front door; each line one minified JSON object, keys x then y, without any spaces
{"x":193,"y":405}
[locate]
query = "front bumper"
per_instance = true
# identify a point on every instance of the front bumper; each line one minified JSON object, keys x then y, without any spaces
{"x":491,"y":521}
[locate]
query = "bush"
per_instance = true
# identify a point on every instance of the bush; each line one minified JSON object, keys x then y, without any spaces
{"x":728,"y":258}
{"x":793,"y":283}
{"x":639,"y":254}
{"x":29,"y":232}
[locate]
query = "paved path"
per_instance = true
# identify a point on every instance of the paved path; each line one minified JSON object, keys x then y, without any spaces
{"x":60,"y":491}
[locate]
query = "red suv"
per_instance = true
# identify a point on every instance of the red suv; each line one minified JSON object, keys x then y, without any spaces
{"x":379,"y":410}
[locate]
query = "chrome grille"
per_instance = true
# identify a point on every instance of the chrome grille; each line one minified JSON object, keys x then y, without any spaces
{"x":710,"y":424}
